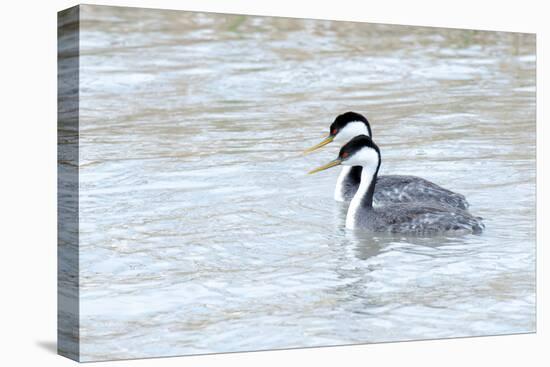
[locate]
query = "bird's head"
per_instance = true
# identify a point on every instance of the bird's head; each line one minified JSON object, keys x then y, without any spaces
{"x":345,"y":127}
{"x":359,"y":151}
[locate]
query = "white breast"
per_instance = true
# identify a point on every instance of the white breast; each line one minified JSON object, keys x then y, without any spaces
{"x":355,"y":204}
{"x":339,"y":189}
{"x":368,"y":158}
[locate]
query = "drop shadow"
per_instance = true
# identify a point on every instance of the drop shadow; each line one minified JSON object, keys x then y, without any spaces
{"x":48,"y":345}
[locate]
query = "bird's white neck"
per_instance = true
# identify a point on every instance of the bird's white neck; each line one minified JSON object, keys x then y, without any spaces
{"x":361,"y":197}
{"x":339,"y":189}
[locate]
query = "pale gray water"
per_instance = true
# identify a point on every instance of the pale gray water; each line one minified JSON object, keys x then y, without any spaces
{"x":201,"y":232}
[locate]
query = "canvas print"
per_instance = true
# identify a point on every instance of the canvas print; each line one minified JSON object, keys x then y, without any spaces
{"x":232,"y":183}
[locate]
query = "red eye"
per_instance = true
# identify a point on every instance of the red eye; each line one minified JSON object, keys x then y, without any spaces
{"x":345,"y":155}
{"x":334,"y":131}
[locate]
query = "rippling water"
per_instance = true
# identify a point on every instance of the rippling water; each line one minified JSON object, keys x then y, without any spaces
{"x":201,"y":232}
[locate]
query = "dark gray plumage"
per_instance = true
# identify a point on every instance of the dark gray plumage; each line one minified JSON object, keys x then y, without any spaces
{"x":418,"y":219}
{"x":392,"y":189}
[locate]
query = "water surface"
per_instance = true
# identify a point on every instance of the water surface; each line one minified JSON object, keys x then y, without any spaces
{"x":201,"y":232}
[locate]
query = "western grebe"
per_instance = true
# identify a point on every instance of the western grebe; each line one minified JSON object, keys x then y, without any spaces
{"x":389,"y":188}
{"x":413,"y":217}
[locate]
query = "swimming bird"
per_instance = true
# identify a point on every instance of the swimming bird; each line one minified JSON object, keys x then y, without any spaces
{"x":389,"y":188}
{"x":412,"y":217}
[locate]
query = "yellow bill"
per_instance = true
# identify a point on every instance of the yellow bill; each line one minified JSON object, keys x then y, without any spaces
{"x":326,"y":141}
{"x":334,"y":163}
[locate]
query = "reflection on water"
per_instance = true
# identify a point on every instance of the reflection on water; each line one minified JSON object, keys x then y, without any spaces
{"x":201,"y":232}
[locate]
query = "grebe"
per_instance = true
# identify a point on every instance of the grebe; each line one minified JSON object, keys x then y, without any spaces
{"x":412,"y":217}
{"x":389,"y":188}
